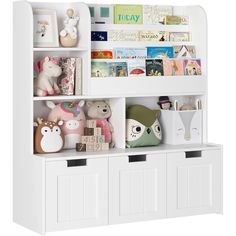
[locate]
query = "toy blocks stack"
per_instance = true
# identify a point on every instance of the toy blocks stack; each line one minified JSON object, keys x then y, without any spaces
{"x":92,"y":140}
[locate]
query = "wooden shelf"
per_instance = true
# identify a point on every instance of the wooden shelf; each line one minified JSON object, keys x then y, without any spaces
{"x":73,"y":154}
{"x":59,"y":49}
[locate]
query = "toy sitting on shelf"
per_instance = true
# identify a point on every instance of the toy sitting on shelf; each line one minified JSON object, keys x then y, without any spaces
{"x":46,"y":73}
{"x":93,"y":140}
{"x":68,"y":36}
{"x":165,"y":103}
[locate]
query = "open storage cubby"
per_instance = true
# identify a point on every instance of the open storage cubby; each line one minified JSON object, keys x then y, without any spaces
{"x":70,"y":189}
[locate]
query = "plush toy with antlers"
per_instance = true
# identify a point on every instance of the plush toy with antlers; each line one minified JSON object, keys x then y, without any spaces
{"x":48,"y":136}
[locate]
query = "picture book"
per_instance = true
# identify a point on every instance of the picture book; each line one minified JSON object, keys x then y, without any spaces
{"x":117,"y":69}
{"x":154,"y":67}
{"x":130,"y":53}
{"x":184,"y":51}
{"x":176,"y":20}
{"x":101,"y":54}
{"x":160,"y":52}
{"x":123,"y":35}
{"x":153,"y":35}
{"x":173,"y":67}
{"x":66,"y":80}
{"x":101,"y":14}
{"x":98,"y":36}
{"x":179,"y":36}
{"x":155,"y":14}
{"x":128,"y":14}
{"x":99,"y":69}
{"x":78,"y":77}
{"x":192,"y":67}
{"x":136,"y":68}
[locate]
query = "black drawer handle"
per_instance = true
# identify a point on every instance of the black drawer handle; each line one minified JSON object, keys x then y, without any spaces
{"x":137,"y":158}
{"x":193,"y":154}
{"x":79,"y":162}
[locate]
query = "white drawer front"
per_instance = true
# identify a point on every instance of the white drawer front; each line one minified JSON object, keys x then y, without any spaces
{"x":137,"y":190}
{"x":76,"y":196}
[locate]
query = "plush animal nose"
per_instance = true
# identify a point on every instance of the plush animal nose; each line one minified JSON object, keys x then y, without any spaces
{"x":104,"y":110}
{"x":148,"y":131}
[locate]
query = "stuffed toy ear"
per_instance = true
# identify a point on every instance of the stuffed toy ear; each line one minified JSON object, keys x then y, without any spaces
{"x":89,"y":103}
{"x":60,"y":122}
{"x":50,"y":104}
{"x":81,"y":103}
{"x":36,"y":124}
{"x":157,"y":113}
{"x":46,"y":59}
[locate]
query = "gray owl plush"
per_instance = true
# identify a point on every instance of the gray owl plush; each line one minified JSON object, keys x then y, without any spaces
{"x":142,"y":127}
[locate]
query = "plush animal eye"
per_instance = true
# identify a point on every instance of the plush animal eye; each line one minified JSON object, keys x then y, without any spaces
{"x":56,"y":129}
{"x":136,"y":129}
{"x":98,"y":106}
{"x":45,"y":130}
{"x":157,"y":128}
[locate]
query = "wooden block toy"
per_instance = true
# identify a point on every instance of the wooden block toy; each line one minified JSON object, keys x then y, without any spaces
{"x":85,"y":139}
{"x":80,"y":147}
{"x":97,"y":131}
{"x":100,"y":139}
{"x":91,"y":123}
{"x":89,"y":147}
{"x":97,"y":147}
{"x":89,"y":131}
{"x":105,"y":146}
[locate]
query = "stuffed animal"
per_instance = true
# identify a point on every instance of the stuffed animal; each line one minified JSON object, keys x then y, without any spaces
{"x":101,"y":112}
{"x":142,"y":127}
{"x":68,"y":36}
{"x":74,"y":120}
{"x":46,"y":81}
{"x":48,"y":136}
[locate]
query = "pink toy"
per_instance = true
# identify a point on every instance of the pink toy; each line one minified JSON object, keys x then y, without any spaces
{"x":101,"y":112}
{"x":46,"y":81}
{"x":74,"y":120}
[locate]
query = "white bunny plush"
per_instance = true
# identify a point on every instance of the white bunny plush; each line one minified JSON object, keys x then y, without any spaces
{"x":69,"y":33}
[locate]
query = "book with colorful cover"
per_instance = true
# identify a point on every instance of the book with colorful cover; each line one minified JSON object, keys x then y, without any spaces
{"x":155,"y":14}
{"x":101,"y":14}
{"x":130,"y":53}
{"x":99,"y":69}
{"x":101,"y":54}
{"x":156,"y":36}
{"x":117,"y":69}
{"x":66,"y":81}
{"x":176,"y":20}
{"x":123,"y":35}
{"x":192,"y":67}
{"x":128,"y":14}
{"x":98,"y":36}
{"x":179,"y":36}
{"x":136,"y":68}
{"x":154,"y":67}
{"x":184,"y":51}
{"x":160,"y":52}
{"x":173,"y":67}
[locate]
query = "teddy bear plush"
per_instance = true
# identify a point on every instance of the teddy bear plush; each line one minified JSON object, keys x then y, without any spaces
{"x":101,"y":112}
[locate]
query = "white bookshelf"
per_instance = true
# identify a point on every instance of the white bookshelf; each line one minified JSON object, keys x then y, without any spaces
{"x":49,"y":195}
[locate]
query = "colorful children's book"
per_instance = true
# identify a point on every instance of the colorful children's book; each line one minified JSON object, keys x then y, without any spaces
{"x":117,"y":69}
{"x":179,"y":36}
{"x":155,"y":14}
{"x":98,"y":36}
{"x":173,"y":67}
{"x":101,"y":54}
{"x":160,"y":52}
{"x":128,"y":14}
{"x":137,"y":68}
{"x":99,"y":69}
{"x":153,"y":35}
{"x":101,"y":14}
{"x":184,"y":51}
{"x":192,"y":67}
{"x":154,"y":67}
{"x":78,"y":77}
{"x":66,"y":80}
{"x":123,"y":35}
{"x":176,"y":20}
{"x":130,"y":53}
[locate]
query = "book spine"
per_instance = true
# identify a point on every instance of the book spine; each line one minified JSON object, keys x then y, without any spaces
{"x":78,"y":77}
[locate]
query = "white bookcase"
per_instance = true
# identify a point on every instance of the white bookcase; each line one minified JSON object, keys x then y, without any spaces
{"x":119,"y":185}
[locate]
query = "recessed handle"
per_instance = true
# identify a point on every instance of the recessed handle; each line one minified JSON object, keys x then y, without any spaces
{"x":193,"y":154}
{"x":79,"y":162}
{"x":137,"y":158}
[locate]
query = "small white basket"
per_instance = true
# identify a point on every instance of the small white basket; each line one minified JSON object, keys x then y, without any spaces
{"x":181,"y":127}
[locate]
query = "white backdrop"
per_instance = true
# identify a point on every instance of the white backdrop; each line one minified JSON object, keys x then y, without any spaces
{"x":222,"y":90}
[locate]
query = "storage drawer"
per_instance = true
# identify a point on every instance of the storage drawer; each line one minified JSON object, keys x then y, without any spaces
{"x":137,"y":188}
{"x":76,"y":193}
{"x":194,"y":182}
